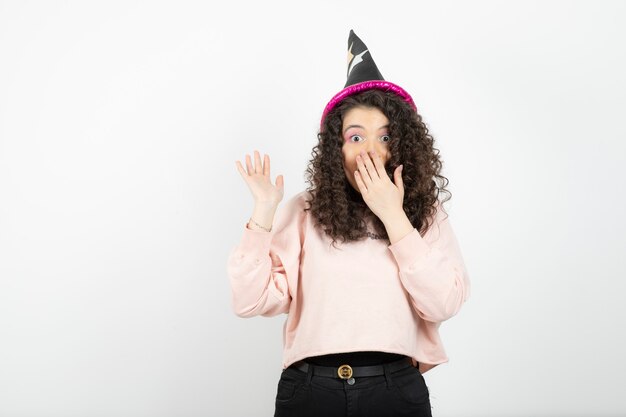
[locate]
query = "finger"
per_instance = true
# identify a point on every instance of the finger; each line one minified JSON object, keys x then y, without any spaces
{"x":365,"y":176}
{"x":243,"y":173}
{"x":397,"y":175}
{"x":280,"y":182}
{"x":360,"y":183}
{"x":370,"y":167}
{"x":266,"y":165}
{"x":241,"y":170}
{"x":249,"y":165}
{"x":379,"y":166}
{"x":258,"y":168}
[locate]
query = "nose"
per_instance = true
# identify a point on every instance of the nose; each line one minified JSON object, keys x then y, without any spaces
{"x":375,"y":146}
{"x":371,"y":145}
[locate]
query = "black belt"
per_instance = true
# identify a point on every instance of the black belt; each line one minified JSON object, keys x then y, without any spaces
{"x":347,"y":371}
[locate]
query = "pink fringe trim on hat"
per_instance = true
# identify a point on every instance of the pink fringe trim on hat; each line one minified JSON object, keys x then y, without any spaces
{"x":366,"y":85}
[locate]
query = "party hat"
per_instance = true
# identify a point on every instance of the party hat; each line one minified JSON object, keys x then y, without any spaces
{"x":363,"y":74}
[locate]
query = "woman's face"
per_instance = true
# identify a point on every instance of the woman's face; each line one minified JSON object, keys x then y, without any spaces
{"x":365,"y":129}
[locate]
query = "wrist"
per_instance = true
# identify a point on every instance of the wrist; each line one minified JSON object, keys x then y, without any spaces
{"x":398,"y":226}
{"x":265,"y":206}
{"x":393,"y":216}
{"x":262,"y":217}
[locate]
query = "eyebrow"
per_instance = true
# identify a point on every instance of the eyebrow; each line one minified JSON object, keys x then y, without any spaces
{"x":348,"y":127}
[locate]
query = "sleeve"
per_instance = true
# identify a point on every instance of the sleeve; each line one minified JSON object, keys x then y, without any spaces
{"x":263,"y":268}
{"x":432,"y":270}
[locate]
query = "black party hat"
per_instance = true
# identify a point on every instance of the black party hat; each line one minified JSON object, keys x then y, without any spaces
{"x":361,"y":65}
{"x":363,"y":74}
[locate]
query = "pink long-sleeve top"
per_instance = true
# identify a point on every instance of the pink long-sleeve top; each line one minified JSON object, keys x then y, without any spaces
{"x":360,"y":296}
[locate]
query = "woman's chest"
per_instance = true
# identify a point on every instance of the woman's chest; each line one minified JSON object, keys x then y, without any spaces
{"x":366,"y":266}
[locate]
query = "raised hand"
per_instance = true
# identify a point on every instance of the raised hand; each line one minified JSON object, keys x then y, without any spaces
{"x":258,"y":179}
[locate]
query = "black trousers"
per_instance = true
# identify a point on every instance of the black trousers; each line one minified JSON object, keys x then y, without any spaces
{"x":400,"y":393}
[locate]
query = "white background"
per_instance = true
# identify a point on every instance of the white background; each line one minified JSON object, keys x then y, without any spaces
{"x":120,"y":124}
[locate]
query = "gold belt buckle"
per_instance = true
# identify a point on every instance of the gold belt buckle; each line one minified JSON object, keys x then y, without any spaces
{"x":344,"y":372}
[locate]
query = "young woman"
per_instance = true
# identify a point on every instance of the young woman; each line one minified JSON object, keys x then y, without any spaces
{"x":364,"y":262}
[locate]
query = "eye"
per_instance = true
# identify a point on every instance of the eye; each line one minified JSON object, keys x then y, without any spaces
{"x":352,"y":138}
{"x":385,"y":138}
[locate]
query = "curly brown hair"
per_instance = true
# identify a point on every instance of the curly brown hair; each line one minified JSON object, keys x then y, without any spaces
{"x":337,"y":208}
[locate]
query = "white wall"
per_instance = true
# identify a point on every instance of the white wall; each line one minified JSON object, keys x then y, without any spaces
{"x":120,"y":124}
